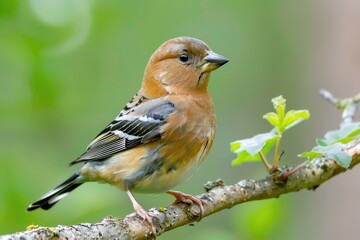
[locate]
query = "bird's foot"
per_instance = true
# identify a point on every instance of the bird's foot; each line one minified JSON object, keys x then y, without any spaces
{"x":188,"y":199}
{"x":146,"y":216}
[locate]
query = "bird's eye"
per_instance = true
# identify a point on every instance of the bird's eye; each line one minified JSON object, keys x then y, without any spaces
{"x":184,"y":58}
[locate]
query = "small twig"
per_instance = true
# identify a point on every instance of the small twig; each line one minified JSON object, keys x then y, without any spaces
{"x":328,"y":96}
{"x":264,"y":161}
{"x":284,"y":176}
{"x":276,"y":156}
{"x":348,"y":106}
{"x":281,"y":154}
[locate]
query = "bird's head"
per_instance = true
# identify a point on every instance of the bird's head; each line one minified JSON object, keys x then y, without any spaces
{"x":180,"y":66}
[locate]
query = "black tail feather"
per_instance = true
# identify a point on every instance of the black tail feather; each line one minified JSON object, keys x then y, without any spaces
{"x":56,"y":194}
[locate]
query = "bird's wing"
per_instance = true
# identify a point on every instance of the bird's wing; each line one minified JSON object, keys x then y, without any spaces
{"x":138,"y":126}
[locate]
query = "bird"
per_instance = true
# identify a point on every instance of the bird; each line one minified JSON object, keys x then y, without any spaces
{"x":161,"y":136}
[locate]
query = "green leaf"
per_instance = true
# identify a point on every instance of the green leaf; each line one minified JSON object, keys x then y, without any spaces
{"x":321,"y":142}
{"x":272,"y":118}
{"x":281,"y":120}
{"x":334,"y":151}
{"x":311,"y":155}
{"x":345,"y":134}
{"x":294,"y":117}
{"x":234,"y":146}
{"x":248,"y":149}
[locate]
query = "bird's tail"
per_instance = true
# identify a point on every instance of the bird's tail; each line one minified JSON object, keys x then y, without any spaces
{"x":56,"y":194}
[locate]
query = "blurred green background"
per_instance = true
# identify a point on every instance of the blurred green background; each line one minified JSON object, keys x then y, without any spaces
{"x":68,"y":67}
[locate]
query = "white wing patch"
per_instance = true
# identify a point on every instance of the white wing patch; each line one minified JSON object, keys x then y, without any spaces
{"x":149,"y":119}
{"x":121,"y":134}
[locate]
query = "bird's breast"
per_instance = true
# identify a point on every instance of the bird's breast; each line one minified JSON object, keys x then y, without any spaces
{"x":185,"y":142}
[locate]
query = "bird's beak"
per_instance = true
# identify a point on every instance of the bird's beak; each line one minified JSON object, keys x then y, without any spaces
{"x":213,"y":61}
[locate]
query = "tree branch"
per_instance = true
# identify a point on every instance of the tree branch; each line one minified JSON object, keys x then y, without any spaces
{"x":217,"y":197}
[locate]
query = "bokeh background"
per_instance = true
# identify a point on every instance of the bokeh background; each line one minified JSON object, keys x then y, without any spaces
{"x":68,"y":67}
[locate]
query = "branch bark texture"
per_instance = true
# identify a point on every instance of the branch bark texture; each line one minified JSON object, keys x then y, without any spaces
{"x":218,"y":196}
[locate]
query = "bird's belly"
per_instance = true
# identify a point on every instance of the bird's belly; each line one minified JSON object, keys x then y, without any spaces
{"x":147,"y":176}
{"x":166,"y":178}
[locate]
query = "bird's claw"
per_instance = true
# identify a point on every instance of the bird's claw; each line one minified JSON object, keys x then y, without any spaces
{"x":146,"y":216}
{"x":140,"y":211}
{"x":188,"y":199}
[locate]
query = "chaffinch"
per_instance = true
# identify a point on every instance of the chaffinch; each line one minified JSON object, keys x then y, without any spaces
{"x":163,"y":133}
